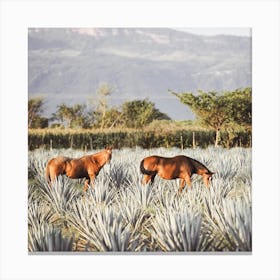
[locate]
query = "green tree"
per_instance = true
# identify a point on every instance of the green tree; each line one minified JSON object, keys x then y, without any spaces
{"x":220,"y":111}
{"x":113,"y":118}
{"x":40,"y":122}
{"x":239,"y":106}
{"x":71,"y":117}
{"x":35,"y":110}
{"x":138,"y":113}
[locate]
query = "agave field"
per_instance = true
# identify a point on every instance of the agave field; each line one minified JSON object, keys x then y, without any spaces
{"x":120,"y":214}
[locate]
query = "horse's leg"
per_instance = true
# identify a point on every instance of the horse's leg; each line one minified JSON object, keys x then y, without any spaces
{"x":53,"y":173}
{"x":146,"y":179}
{"x":91,"y":177}
{"x":206,"y":180}
{"x":91,"y":180}
{"x":86,"y":185}
{"x":182,"y":185}
{"x":188,"y":181}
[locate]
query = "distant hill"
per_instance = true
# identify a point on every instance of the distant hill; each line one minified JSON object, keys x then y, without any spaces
{"x":68,"y":65}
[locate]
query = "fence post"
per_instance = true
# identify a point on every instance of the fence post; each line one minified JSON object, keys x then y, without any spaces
{"x":51,"y":147}
{"x":91,"y":145}
{"x":193,"y":140}
{"x":71,"y":142}
{"x":182,"y":144}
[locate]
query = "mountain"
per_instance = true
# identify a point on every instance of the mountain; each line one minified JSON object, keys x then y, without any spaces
{"x":69,"y":64}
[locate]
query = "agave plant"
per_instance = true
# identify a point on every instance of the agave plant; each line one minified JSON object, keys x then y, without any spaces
{"x":119,"y":174}
{"x":177,"y":231}
{"x":101,"y":192}
{"x":48,"y":239}
{"x":230,"y":225}
{"x":40,"y":213}
{"x":121,"y":214}
{"x":143,"y":195}
{"x":59,"y":194}
{"x":103,"y":228}
{"x":132,"y":214}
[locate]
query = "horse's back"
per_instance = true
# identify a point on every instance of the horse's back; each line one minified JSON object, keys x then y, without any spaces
{"x":56,"y":166}
{"x":149,"y":164}
{"x":58,"y":160}
{"x":158,"y":160}
{"x":184,"y":160}
{"x":151,"y":158}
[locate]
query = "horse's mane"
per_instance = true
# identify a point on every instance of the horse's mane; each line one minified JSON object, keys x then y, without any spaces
{"x":100,"y":156}
{"x":198,"y":165}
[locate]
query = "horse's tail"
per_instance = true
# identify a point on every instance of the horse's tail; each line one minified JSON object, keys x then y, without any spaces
{"x":145,"y":171}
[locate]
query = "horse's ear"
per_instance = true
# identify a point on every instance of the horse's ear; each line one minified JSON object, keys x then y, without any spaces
{"x":109,"y":148}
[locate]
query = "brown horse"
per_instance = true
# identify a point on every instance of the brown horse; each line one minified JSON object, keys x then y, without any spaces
{"x":85,"y":167}
{"x":172,"y":168}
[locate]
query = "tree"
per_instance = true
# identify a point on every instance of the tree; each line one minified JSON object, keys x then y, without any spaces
{"x":240,"y":112}
{"x":35,"y":109}
{"x":40,"y":122}
{"x":113,"y":118}
{"x":102,"y":97}
{"x":239,"y":103}
{"x":219,"y":111}
{"x":72,"y":117}
{"x":138,"y":113}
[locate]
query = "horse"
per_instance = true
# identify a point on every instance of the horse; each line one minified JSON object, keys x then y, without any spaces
{"x":182,"y":167}
{"x":87,"y":166}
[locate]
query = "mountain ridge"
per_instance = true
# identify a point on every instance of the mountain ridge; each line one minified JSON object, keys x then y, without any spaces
{"x":68,"y":65}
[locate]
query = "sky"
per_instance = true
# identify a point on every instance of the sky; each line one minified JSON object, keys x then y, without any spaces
{"x":210,"y":31}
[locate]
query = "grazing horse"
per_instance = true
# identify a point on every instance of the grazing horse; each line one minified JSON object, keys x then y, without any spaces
{"x":85,"y":167}
{"x":172,"y":168}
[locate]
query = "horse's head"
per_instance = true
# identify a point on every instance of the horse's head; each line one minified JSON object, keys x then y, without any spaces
{"x":108,"y":153}
{"x":207,"y":178}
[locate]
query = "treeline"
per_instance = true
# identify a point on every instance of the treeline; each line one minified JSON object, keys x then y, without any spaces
{"x":96,"y":115}
{"x":222,"y":119}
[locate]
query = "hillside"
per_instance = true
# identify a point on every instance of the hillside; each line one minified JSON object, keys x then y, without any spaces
{"x":68,"y":65}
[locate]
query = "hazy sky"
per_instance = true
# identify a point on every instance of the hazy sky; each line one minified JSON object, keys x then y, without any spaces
{"x":218,"y":31}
